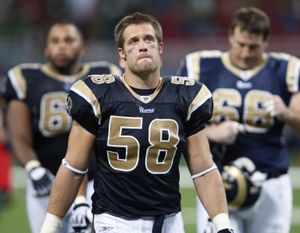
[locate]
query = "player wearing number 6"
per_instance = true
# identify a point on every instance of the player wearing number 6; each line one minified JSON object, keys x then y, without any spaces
{"x":255,"y":94}
{"x":37,"y":119}
{"x":140,"y":124}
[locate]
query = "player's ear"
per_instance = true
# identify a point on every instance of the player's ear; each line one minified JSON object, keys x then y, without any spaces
{"x":122,"y":54}
{"x":160,"y":47}
{"x":82,"y":51}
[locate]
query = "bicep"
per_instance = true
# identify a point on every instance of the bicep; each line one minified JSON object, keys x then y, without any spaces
{"x":199,"y":157}
{"x":80,"y":145}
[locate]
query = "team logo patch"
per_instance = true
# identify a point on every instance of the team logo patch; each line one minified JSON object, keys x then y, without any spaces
{"x":69,"y":104}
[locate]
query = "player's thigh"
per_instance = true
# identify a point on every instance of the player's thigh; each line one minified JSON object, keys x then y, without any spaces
{"x":173,"y":224}
{"x":36,"y":208}
{"x":274,"y":207}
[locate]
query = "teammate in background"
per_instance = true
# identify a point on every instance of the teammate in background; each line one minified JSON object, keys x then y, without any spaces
{"x":140,"y":123}
{"x":37,"y":119}
{"x":5,"y":161}
{"x":255,"y":94}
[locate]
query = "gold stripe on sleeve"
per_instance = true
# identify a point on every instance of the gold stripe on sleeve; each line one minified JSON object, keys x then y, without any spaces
{"x":193,"y":65}
{"x":200,"y":98}
{"x":18,"y":81}
{"x":292,"y":74}
{"x":85,"y":92}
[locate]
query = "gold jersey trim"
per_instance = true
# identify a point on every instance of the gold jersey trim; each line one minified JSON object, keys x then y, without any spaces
{"x":245,"y":75}
{"x":145,"y":99}
{"x":203,"y":95}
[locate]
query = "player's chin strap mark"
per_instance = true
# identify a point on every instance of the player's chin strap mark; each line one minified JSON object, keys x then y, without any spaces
{"x":204,"y":172}
{"x":73,"y":169}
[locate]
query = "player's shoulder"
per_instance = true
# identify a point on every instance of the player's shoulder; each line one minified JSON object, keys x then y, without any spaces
{"x":25,"y":67}
{"x":104,"y":66}
{"x":190,"y":87}
{"x":95,"y":82}
{"x":281,"y":56}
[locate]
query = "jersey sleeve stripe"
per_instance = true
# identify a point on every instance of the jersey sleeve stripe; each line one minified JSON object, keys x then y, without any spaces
{"x":193,"y":65}
{"x":292,"y":76}
{"x":85,"y":92}
{"x":203,"y":95}
{"x":18,"y":81}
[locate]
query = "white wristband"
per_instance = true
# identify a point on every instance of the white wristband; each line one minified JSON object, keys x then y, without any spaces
{"x":221,"y":221}
{"x":51,"y":224}
{"x":32,"y":164}
{"x":73,"y":169}
{"x":213,"y":167}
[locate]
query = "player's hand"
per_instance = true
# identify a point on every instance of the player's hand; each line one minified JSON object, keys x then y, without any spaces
{"x":276,"y":108}
{"x":228,"y":131}
{"x":41,"y":179}
{"x":81,"y":217}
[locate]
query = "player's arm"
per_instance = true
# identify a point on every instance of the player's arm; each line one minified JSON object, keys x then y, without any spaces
{"x":224,"y":132}
{"x":20,"y":132}
{"x":207,"y":180}
{"x":69,"y":177}
{"x":290,"y":114}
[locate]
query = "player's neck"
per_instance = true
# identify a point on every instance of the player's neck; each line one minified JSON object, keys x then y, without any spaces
{"x":148,"y":81}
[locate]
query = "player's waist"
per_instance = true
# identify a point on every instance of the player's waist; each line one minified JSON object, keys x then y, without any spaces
{"x":276,"y":173}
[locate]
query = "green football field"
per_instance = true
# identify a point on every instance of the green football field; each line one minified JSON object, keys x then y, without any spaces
{"x":13,"y":216}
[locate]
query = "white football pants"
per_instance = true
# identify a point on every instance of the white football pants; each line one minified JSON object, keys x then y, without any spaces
{"x":173,"y":223}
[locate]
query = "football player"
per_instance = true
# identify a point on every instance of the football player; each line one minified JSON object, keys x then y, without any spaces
{"x":255,"y":94}
{"x":37,"y":119}
{"x":140,"y":123}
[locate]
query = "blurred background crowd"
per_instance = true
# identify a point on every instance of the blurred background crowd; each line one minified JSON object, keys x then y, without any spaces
{"x":188,"y":25}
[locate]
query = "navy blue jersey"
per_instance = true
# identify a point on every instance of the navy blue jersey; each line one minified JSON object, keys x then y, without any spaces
{"x":139,"y":140}
{"x":238,"y":96}
{"x":44,"y":92}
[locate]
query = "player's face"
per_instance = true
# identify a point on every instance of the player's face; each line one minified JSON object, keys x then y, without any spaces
{"x":141,"y":52}
{"x":247,"y":49}
{"x":64,"y":46}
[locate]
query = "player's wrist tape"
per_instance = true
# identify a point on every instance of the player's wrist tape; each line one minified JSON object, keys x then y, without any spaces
{"x":221,"y":221}
{"x":32,"y":164}
{"x":52,"y":224}
{"x":73,"y":169}
{"x":204,"y":172}
{"x":80,"y":199}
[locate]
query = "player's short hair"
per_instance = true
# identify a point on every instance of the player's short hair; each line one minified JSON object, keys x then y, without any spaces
{"x":136,"y":18}
{"x":252,"y":20}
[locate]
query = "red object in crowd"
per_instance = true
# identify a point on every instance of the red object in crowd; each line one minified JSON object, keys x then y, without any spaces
{"x":5,"y":168}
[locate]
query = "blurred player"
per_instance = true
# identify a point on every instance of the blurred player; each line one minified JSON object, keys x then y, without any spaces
{"x":255,"y":94}
{"x":37,"y":119}
{"x":140,"y":123}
